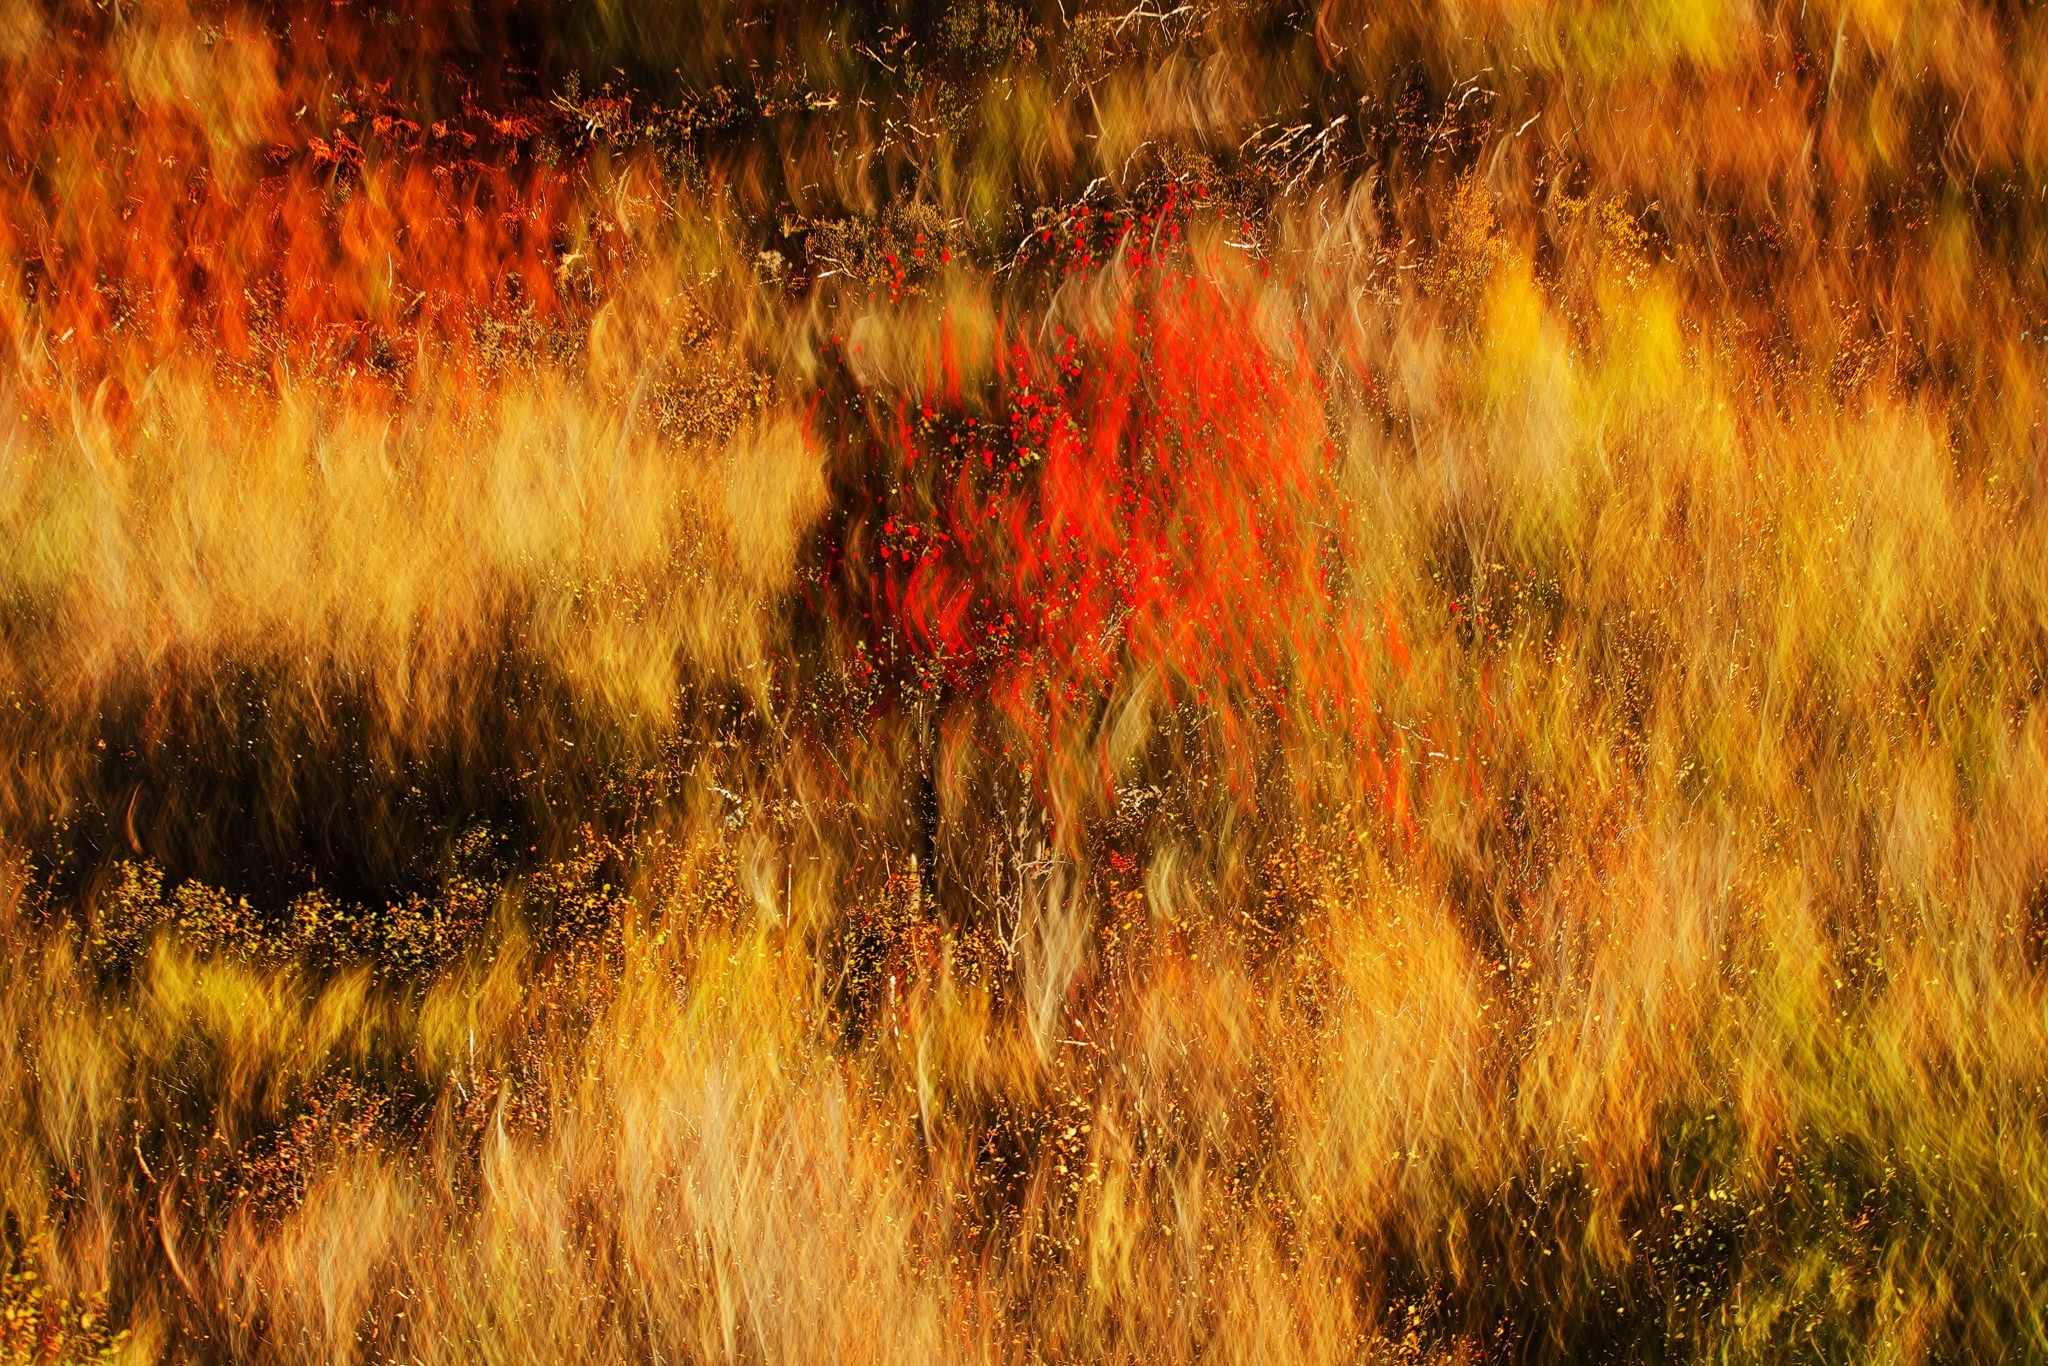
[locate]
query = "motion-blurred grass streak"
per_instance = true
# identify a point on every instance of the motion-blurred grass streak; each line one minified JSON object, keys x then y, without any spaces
{"x":974,"y":682}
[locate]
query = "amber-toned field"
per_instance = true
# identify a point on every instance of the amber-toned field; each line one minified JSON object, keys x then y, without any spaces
{"x":950,"y":680}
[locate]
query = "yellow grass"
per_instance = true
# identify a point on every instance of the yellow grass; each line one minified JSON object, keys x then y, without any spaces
{"x":1669,"y":984}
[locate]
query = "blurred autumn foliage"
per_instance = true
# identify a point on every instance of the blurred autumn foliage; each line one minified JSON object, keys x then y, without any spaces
{"x":1023,"y":682}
